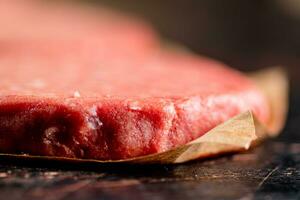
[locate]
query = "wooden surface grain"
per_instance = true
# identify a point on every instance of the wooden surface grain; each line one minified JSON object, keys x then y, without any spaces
{"x":271,"y":171}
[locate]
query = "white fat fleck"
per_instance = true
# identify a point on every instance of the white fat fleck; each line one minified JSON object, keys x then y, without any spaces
{"x":170,"y":109}
{"x":37,"y":83}
{"x":99,"y":123}
{"x":49,"y":132}
{"x":134,"y":105}
{"x":210,"y":102}
{"x":76,"y":94}
{"x":92,"y":125}
{"x":171,"y":113}
{"x":192,"y":105}
{"x":192,"y":108}
{"x":93,"y":111}
{"x":94,"y":122}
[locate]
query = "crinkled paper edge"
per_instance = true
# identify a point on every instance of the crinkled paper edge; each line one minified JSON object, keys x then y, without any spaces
{"x":235,"y":135}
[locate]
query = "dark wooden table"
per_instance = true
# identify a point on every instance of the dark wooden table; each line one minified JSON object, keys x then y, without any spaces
{"x":271,"y":171}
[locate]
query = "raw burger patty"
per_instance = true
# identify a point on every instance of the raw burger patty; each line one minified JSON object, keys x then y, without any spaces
{"x":112,"y":111}
{"x":106,"y":91}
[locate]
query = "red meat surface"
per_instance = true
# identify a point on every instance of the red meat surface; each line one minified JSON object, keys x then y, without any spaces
{"x":62,"y":101}
{"x":113,"y":111}
{"x":85,"y":29}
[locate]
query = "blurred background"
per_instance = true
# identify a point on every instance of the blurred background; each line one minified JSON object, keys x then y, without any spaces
{"x":245,"y":34}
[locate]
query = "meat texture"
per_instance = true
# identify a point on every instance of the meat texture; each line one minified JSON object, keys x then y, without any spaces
{"x":60,"y":99}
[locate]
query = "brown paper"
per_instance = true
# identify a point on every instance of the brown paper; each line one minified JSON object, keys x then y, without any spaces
{"x":235,"y":135}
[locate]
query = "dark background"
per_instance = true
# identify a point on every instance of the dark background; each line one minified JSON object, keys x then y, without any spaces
{"x":246,"y":34}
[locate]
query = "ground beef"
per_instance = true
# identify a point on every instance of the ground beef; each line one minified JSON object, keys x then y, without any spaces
{"x":118,"y":98}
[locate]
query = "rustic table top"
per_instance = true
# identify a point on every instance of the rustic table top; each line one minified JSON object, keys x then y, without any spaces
{"x":271,"y":171}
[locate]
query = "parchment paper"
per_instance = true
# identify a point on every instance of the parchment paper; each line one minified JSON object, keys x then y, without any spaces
{"x":235,"y":135}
